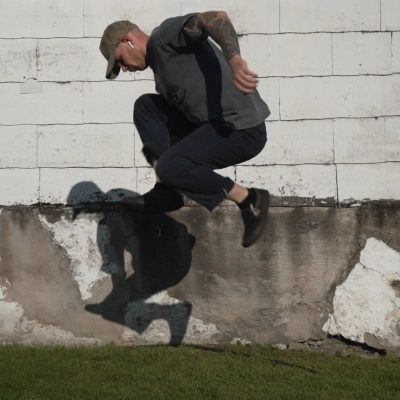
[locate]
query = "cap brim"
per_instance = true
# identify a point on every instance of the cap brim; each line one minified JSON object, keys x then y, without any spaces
{"x":112,"y":69}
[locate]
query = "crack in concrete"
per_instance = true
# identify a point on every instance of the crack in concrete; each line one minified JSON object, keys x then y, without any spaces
{"x":378,"y":272}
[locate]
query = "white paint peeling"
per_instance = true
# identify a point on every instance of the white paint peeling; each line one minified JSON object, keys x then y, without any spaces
{"x":84,"y":241}
{"x":13,"y":324}
{"x":368,"y":302}
{"x":163,"y":313}
{"x":280,"y":346}
{"x":3,"y":292}
{"x":240,"y":341}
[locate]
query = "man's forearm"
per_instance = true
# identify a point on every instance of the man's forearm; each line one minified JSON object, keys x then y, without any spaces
{"x":218,"y":26}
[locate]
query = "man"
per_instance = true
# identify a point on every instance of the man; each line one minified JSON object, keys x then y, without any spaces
{"x":208,"y":99}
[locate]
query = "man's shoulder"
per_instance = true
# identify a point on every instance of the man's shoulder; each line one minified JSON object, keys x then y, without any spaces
{"x":179,"y":20}
{"x":173,"y":26}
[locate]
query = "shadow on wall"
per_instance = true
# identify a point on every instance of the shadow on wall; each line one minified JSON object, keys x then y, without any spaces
{"x":157,"y":249}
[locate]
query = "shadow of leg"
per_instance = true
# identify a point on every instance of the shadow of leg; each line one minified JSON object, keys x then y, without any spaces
{"x":147,"y":317}
{"x":160,"y":255}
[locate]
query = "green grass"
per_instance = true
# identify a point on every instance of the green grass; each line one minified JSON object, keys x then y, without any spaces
{"x":185,"y":372}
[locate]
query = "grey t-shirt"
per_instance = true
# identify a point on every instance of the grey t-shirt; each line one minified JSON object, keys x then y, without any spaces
{"x":195,"y":77}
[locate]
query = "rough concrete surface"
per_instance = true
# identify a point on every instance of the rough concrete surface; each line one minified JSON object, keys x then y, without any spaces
{"x":99,"y":274}
{"x":366,"y":305}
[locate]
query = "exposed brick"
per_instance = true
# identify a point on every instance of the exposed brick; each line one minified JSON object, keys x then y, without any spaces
{"x":70,"y":60}
{"x":58,"y":103}
{"x":301,"y":180}
{"x":390,"y":16}
{"x":19,"y":186}
{"x":392,"y":138}
{"x":17,"y":59}
{"x":359,"y":140}
{"x":390,"y":95}
{"x":330,"y":16}
{"x":75,"y":185}
{"x":146,"y":177}
{"x":297,"y":142}
{"x":331,"y":97}
{"x":368,"y":181}
{"x":361,"y":53}
{"x":88,"y":146}
{"x":41,"y":18}
{"x":288,"y":55}
{"x":269,"y":91}
{"x":112,"y":102}
{"x":396,"y":52}
{"x":140,"y":160}
{"x":18,"y":146}
{"x":140,"y":75}
{"x":146,"y":14}
{"x":256,"y":16}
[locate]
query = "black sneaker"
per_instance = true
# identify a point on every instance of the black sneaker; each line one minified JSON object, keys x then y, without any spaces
{"x":255,"y":217}
{"x":158,"y":200}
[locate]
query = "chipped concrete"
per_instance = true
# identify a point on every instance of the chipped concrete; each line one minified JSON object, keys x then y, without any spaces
{"x":83,"y":240}
{"x":99,"y":274}
{"x":16,"y":328}
{"x":3,"y":292}
{"x":366,"y":307}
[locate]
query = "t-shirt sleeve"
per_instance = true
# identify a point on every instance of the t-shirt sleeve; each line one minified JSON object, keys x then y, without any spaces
{"x":172,"y":33}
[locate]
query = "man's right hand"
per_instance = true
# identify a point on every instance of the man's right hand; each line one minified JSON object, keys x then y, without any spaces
{"x":244,"y":79}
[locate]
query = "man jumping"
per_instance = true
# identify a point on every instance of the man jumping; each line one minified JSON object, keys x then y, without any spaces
{"x":208,"y":99}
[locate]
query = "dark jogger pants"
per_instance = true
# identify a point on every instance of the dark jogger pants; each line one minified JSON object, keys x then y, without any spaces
{"x":188,"y":166}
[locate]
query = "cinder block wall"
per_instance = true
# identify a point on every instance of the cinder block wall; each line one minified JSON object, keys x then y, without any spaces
{"x":330,"y":72}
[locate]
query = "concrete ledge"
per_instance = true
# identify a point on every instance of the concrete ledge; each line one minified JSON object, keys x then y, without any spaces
{"x":99,"y":274}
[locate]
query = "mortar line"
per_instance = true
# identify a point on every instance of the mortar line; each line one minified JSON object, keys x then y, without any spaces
{"x":236,"y":166}
{"x":279,"y":98}
{"x":83,"y":104}
{"x":268,"y":121}
{"x":336,"y":167}
{"x":37,"y":59}
{"x":132,"y":81}
{"x":332,"y":54}
{"x":37,"y":146}
{"x":40,"y":185}
{"x":244,"y":33}
{"x":280,"y":14}
{"x":391,"y":52}
{"x":136,"y":179}
{"x":83,"y":19}
{"x":384,"y":138}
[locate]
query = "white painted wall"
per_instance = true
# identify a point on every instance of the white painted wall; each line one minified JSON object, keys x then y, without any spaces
{"x":330,"y":72}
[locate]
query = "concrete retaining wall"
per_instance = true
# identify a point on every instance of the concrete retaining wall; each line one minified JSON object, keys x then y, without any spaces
{"x":101,"y":274}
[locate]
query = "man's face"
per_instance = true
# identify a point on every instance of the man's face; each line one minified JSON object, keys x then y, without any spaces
{"x":129,"y":59}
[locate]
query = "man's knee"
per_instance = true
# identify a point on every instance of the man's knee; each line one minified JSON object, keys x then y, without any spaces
{"x":142,"y":103}
{"x":168,"y":169}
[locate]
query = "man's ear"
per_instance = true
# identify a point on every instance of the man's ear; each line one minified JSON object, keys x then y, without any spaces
{"x":126,"y":39}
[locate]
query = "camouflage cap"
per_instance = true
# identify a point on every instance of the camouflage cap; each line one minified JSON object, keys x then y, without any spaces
{"x":110,"y":40}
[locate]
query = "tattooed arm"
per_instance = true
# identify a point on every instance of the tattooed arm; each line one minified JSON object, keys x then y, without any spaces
{"x":217,"y":25}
